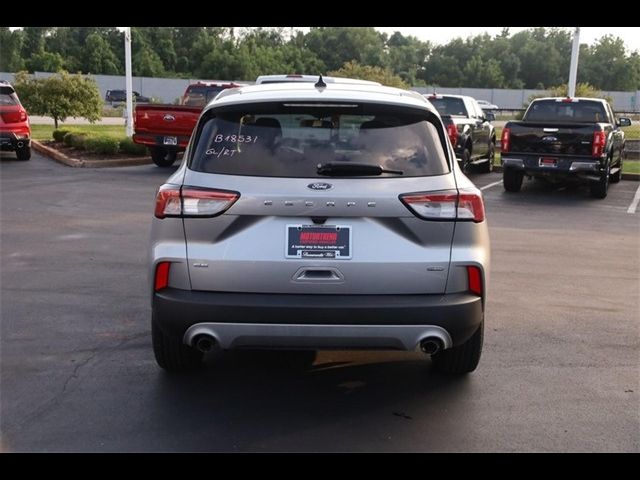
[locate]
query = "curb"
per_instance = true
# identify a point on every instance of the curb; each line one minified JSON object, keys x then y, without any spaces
{"x":77,"y":163}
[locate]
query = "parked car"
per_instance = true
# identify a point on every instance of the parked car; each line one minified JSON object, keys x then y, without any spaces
{"x":565,"y":137}
{"x":166,"y":129}
{"x":319,"y":216}
{"x":15,"y":130}
{"x":121,"y":96}
{"x":262,"y":79}
{"x":484,"y":105}
{"x":469,"y":128}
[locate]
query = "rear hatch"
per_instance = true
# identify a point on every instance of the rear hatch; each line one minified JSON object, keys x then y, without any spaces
{"x":176,"y":120}
{"x":558,"y":126}
{"x":314,"y":195}
{"x":552,"y":138}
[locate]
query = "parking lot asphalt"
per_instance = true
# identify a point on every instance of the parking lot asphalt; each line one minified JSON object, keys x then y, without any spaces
{"x":560,"y":369}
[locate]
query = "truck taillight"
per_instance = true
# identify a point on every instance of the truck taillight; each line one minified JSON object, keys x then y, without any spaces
{"x":449,"y":205}
{"x":452,"y":131}
{"x":193,"y":202}
{"x":505,"y":140}
{"x":599,"y":141}
{"x":475,"y":279}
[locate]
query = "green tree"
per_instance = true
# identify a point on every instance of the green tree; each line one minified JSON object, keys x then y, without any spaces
{"x":607,"y":65}
{"x":367,"y":72}
{"x":60,"y":96}
{"x":10,"y":50}
{"x":406,"y":56}
{"x":45,"y":62}
{"x":336,"y":45}
{"x":98,"y":56}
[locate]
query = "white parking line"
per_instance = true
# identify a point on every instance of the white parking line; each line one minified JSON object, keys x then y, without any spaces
{"x":491,"y":185}
{"x":634,"y":202}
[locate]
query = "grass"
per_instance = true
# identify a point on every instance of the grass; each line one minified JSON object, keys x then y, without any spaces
{"x":44,"y":132}
{"x":632,"y":132}
{"x":631,"y":166}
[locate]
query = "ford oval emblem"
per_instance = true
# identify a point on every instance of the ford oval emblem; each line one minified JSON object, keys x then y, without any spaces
{"x":169,"y":118}
{"x":320,"y":186}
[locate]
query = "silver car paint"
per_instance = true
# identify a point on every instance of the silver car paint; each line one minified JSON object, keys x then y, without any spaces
{"x":251,"y":257}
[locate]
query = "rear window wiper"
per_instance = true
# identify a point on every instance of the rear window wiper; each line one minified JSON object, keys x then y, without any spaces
{"x":352,"y":168}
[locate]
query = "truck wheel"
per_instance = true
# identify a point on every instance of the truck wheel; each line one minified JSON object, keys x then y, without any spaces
{"x":463,"y":358}
{"x":23,"y":153}
{"x":599,"y":187}
{"x":171,"y":354}
{"x":487,"y":167}
{"x":163,"y":157}
{"x":512,"y":179}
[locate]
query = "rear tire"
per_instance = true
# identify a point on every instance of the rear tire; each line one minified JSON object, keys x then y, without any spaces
{"x":487,"y":167}
{"x":163,"y":157}
{"x":463,"y":358}
{"x":512,"y":179}
{"x":173,"y":355}
{"x":599,"y":188}
{"x":23,"y":153}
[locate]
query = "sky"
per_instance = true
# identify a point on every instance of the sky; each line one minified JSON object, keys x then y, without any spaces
{"x":588,"y":35}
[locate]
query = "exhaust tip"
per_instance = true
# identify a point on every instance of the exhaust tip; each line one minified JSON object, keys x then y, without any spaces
{"x":431,"y":345}
{"x":205,"y":343}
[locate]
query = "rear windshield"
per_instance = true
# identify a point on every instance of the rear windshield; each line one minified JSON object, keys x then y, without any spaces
{"x":554,"y":111}
{"x":293,"y":140}
{"x":6,"y":100}
{"x":200,"y":96}
{"x":451,"y":106}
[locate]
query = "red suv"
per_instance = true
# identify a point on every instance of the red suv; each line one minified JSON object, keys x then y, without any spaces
{"x":15,"y":132}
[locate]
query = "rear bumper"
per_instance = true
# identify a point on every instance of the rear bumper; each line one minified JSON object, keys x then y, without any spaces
{"x":157,"y":140}
{"x":531,"y":164}
{"x":330,"y":321}
{"x":11,"y":140}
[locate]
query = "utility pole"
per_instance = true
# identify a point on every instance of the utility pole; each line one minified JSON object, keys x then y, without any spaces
{"x":128,"y":81}
{"x":573,"y":69}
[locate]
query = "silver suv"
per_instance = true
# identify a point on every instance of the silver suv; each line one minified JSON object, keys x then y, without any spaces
{"x":319,"y":216}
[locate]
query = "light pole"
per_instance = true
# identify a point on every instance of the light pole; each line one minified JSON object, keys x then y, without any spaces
{"x":573,"y":68}
{"x":128,"y":81}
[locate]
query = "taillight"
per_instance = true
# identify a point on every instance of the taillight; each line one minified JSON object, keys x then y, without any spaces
{"x":452,"y":131}
{"x":168,"y":202}
{"x":14,"y":116}
{"x":505,"y":140}
{"x":192,"y":202}
{"x":599,"y":140}
{"x":162,"y":276}
{"x":449,"y":205}
{"x":475,"y":279}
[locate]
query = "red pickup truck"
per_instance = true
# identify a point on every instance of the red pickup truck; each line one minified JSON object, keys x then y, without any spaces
{"x":166,"y":129}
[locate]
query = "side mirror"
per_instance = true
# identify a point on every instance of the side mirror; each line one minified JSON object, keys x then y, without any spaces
{"x":490,"y":116}
{"x":624,"y":122}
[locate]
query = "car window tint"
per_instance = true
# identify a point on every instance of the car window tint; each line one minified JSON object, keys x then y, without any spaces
{"x":452,"y":106}
{"x":580,"y":111}
{"x":200,"y":96}
{"x":6,"y":100}
{"x":292,"y":144}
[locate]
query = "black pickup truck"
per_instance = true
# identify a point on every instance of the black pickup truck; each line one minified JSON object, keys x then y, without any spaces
{"x":469,"y":128}
{"x":565,"y":137}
